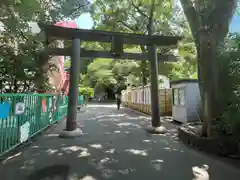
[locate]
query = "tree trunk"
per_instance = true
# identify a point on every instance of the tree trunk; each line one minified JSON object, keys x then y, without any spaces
{"x":209,"y":78}
{"x":209,"y":21}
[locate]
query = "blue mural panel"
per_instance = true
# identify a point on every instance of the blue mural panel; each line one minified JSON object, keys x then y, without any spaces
{"x":4,"y":110}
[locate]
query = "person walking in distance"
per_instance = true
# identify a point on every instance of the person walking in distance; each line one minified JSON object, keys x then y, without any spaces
{"x":118,"y":99}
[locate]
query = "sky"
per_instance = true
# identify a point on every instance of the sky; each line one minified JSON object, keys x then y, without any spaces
{"x":85,"y":22}
{"x":235,"y":25}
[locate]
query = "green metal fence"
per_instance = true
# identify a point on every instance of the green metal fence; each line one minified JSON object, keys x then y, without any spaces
{"x":28,"y":114}
{"x":80,"y":100}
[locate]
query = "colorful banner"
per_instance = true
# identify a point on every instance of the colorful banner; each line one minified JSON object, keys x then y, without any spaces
{"x":44,"y":105}
{"x":24,"y":131}
{"x":4,"y":110}
{"x":54,"y":108}
{"x":50,"y":117}
{"x":50,"y":103}
{"x":63,"y":74}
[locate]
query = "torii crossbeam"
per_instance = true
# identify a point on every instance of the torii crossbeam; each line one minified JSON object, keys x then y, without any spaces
{"x":117,"y":40}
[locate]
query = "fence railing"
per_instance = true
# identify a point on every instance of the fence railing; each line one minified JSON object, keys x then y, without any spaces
{"x":80,"y":100}
{"x":24,"y":115}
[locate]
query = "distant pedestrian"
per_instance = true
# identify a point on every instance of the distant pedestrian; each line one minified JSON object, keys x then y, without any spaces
{"x":118,"y":100}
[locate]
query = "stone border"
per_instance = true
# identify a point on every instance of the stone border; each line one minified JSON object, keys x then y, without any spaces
{"x":71,"y":134}
{"x":219,"y":146}
{"x":156,"y":130}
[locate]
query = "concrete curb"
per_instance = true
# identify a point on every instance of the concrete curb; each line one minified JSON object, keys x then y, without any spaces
{"x":221,"y":147}
{"x":156,"y":130}
{"x":71,"y":134}
{"x":133,"y":110}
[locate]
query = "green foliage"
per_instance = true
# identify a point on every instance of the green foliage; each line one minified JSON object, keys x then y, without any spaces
{"x":83,"y":66}
{"x":69,"y":9}
{"x":134,"y":16}
{"x":107,"y":73}
{"x":229,"y":67}
{"x":209,"y":23}
{"x":123,"y":69}
{"x":23,"y":67}
{"x":100,"y":72}
{"x":237,"y":13}
{"x":67,"y":63}
{"x":186,"y":67}
{"x":86,"y":91}
{"x":20,"y":55}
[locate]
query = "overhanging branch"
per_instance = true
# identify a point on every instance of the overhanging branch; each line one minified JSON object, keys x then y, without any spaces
{"x":126,"y":25}
{"x":192,"y":17}
{"x":139,"y":10}
{"x":150,"y":20}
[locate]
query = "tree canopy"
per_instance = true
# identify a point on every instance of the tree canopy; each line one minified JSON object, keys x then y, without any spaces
{"x":22,"y":65}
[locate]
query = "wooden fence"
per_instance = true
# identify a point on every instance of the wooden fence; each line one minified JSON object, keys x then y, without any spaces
{"x":140,"y":99}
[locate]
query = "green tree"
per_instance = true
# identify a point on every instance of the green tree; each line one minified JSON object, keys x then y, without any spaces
{"x":228,"y":61}
{"x":209,"y":22}
{"x":186,"y":67}
{"x":110,"y":74}
{"x":146,"y":17}
{"x":20,"y":51}
{"x":23,"y":66}
{"x":86,"y":92}
{"x":100,"y":74}
{"x":68,"y":9}
{"x":123,"y":70}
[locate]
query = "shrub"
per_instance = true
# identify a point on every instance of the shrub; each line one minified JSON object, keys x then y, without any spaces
{"x":86,"y":92}
{"x":229,"y":71}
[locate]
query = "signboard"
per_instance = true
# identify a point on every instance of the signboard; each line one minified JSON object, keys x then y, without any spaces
{"x":4,"y":110}
{"x":44,"y":105}
{"x":50,"y":103}
{"x":54,"y":104}
{"x":19,"y":108}
{"x":50,"y":117}
{"x":24,"y":132}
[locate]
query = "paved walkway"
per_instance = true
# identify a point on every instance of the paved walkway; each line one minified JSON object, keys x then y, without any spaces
{"x":114,"y":147}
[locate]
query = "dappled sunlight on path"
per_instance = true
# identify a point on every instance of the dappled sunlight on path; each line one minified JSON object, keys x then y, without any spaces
{"x":114,"y":146}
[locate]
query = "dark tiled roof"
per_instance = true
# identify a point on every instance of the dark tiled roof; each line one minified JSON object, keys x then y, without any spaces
{"x":184,"y":81}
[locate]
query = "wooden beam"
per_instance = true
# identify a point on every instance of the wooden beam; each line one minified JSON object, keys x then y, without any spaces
{"x":105,"y":54}
{"x":105,"y":36}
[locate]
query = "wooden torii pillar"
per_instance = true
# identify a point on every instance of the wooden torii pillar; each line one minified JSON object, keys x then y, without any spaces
{"x":117,"y":40}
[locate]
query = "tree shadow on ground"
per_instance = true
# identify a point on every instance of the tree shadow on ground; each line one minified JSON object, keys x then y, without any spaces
{"x":113,"y":147}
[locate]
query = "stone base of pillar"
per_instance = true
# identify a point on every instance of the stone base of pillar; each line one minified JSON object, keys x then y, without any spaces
{"x":71,"y":134}
{"x":156,"y":130}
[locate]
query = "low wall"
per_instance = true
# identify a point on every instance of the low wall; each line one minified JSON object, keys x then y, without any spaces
{"x":140,"y":100}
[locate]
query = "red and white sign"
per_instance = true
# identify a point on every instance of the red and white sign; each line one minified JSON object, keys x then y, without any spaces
{"x":63,"y":74}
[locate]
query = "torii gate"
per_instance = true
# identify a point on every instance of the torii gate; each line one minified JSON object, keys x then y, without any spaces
{"x":117,"y":40}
